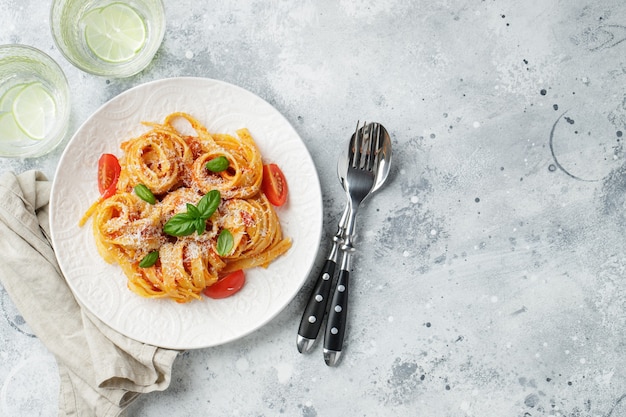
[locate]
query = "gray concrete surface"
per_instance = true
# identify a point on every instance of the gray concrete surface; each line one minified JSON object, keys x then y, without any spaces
{"x":489,"y":277}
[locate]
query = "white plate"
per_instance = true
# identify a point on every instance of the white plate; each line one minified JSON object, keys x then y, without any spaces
{"x":101,"y":287}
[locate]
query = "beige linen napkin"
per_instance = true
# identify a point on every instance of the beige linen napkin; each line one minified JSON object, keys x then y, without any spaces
{"x":101,"y":370}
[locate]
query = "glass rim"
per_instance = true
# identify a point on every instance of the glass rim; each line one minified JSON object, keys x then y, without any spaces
{"x":31,"y":48}
{"x":57,"y":38}
{"x":63,"y":89}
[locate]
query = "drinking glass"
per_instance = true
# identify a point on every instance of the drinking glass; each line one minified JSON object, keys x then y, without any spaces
{"x":109,"y":38}
{"x":34,"y":102}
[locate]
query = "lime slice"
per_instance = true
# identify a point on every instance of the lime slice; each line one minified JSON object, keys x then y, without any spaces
{"x":114,"y":33}
{"x":9,"y":130}
{"x":6,"y":101}
{"x":34,"y":111}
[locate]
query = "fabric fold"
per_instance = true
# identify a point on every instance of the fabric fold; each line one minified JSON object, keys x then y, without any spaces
{"x":101,"y":371}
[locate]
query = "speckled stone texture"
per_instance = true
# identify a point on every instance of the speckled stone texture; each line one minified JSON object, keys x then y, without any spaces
{"x":489,"y":276}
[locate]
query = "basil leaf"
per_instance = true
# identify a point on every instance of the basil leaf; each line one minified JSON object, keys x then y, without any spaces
{"x":149,"y":260}
{"x":200,"y":226}
{"x":181,"y":224}
{"x":218,"y":164}
{"x":209,"y":203}
{"x":193,"y":211}
{"x":144,"y":193}
{"x":225,"y":242}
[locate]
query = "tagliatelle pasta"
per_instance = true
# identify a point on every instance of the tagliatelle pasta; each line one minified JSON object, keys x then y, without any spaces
{"x":173,"y":166}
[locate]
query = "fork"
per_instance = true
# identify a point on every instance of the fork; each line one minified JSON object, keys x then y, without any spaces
{"x":359,"y":183}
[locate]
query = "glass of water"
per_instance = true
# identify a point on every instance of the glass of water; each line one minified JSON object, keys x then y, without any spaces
{"x":109,"y":38}
{"x":34,"y":102}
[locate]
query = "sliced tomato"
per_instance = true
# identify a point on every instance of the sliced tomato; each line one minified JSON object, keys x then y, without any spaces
{"x":226,"y":286}
{"x":108,"y":173}
{"x":274,"y":184}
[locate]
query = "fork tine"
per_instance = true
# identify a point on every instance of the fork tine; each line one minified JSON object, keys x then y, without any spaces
{"x":379,"y":143}
{"x":365,"y":147}
{"x":355,"y":147}
{"x":372,"y":146}
{"x":352,"y":145}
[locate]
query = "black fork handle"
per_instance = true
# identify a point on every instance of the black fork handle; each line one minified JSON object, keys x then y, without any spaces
{"x":315,"y":309}
{"x":337,"y":318}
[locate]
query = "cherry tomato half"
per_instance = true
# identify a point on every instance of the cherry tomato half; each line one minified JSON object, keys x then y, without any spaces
{"x":108,"y":173}
{"x":227,"y":285}
{"x":274,"y":184}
